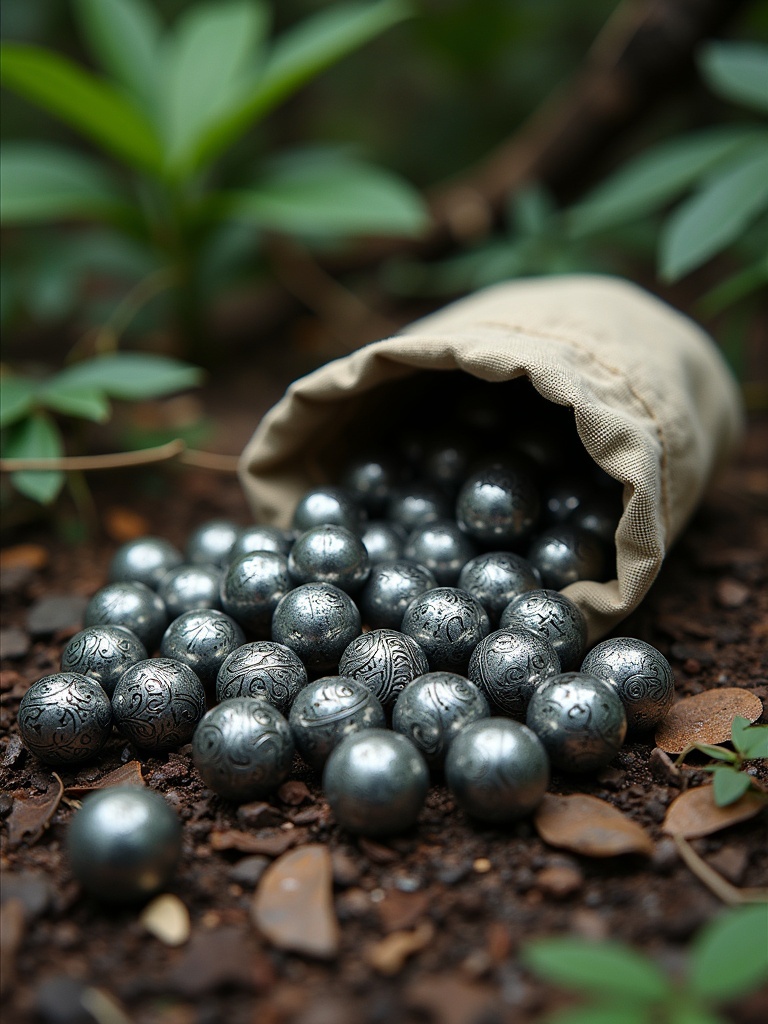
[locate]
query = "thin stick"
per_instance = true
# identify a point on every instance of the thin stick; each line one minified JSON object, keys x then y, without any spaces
{"x":210,"y":460}
{"x":123,"y":460}
{"x":715,"y":882}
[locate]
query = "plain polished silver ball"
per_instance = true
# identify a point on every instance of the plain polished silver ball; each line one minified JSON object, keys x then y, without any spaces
{"x":565,"y":554}
{"x":509,"y":664}
{"x":498,"y":505}
{"x":263,"y":669}
{"x":329,"y":709}
{"x":65,"y":718}
{"x":103,"y":653}
{"x":383,"y":541}
{"x":416,"y":504}
{"x":390,"y":589}
{"x":496,"y":578}
{"x":133,"y":605}
{"x":433,"y":709}
{"x":202,"y":639}
{"x":328,"y":506}
{"x":252,"y":587}
{"x":497,"y":770}
{"x":555,"y":617}
{"x":243,"y":749}
{"x":211,"y":543}
{"x":385,"y":661}
{"x":447,"y":624}
{"x":641,"y":675}
{"x":145,"y":560}
{"x":580,"y":720}
{"x":442,"y":547}
{"x":318,"y":622}
{"x":189,"y":587}
{"x":376,"y":782}
{"x":369,"y":479}
{"x":124,"y":843}
{"x":260,"y":538}
{"x":330,"y":554}
{"x":157,"y":704}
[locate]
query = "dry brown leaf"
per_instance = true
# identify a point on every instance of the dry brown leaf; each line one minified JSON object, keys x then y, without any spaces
{"x":450,"y":999}
{"x":31,"y":815}
{"x":694,"y":813}
{"x":390,"y":954}
{"x":24,"y":556}
{"x":122,"y":524}
{"x":584,"y":824}
{"x":126,"y":775}
{"x":706,"y":718}
{"x":244,"y":842}
{"x":167,"y":919}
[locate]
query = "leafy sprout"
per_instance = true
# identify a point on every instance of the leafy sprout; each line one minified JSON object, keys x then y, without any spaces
{"x":729,"y":779}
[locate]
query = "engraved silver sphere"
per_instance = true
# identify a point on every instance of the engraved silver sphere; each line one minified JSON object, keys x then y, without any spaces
{"x":509,"y":664}
{"x":145,"y":560}
{"x":498,"y":505}
{"x":370,"y":479}
{"x":385,"y":661}
{"x":497,"y":770}
{"x":328,"y":506}
{"x":447,"y":624}
{"x":189,"y":587}
{"x":157,"y":704}
{"x":376,"y":782}
{"x":580,"y":720}
{"x":103,"y":653}
{"x":641,"y":675}
{"x":433,"y":709}
{"x":390,"y":589}
{"x":496,"y":578}
{"x":329,"y":709}
{"x":563,"y":495}
{"x":600,"y":515}
{"x":133,"y":605}
{"x":446,"y":458}
{"x":243,"y":749}
{"x":65,"y":718}
{"x":202,"y":639}
{"x":330,"y":554}
{"x":263,"y":669}
{"x":211,"y":543}
{"x":442,"y":547}
{"x":260,"y":538}
{"x":383,"y":541}
{"x":417,"y":504}
{"x":555,"y":617}
{"x":252,"y":588}
{"x":124,"y":843}
{"x":564,"y":554}
{"x":318,"y":622}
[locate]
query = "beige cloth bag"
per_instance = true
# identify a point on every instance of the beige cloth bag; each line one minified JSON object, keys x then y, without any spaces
{"x":654,"y":406}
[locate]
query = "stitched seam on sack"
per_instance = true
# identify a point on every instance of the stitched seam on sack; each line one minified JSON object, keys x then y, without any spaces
{"x":630,"y":387}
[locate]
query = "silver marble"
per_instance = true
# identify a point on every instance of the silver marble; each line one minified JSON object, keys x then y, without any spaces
{"x":442,"y":548}
{"x":318,"y":622}
{"x":330,"y":554}
{"x":157,"y":704}
{"x":133,"y":605}
{"x":211,"y":543}
{"x":263,"y":669}
{"x":433,"y":709}
{"x":555,"y":617}
{"x":496,"y":578}
{"x":328,"y":506}
{"x":498,"y":505}
{"x":447,"y":624}
{"x":252,"y":588}
{"x":329,"y":709}
{"x":383,"y":541}
{"x":385,"y":661}
{"x":202,"y":639}
{"x":260,"y":538}
{"x":103,"y":653}
{"x":600,"y":515}
{"x":189,"y":587}
{"x":65,"y":718}
{"x":416,"y":504}
{"x":446,"y":458}
{"x":509,"y":664}
{"x":391,"y":587}
{"x":144,"y":560}
{"x":369,"y":479}
{"x":565,"y":554}
{"x":641,"y":675}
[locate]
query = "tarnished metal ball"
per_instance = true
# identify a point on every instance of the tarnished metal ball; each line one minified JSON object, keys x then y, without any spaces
{"x":133,"y":605}
{"x":376,"y":782}
{"x":508,"y":666}
{"x":442,"y":547}
{"x":145,"y":560}
{"x":641,"y":675}
{"x":563,"y":495}
{"x":252,"y":588}
{"x":264,"y":669}
{"x":390,"y":589}
{"x":497,"y":770}
{"x":103,"y":653}
{"x":498,"y":505}
{"x":383,"y":541}
{"x":243,"y":749}
{"x":385,"y":661}
{"x":329,"y":709}
{"x":564,"y":554}
{"x":328,"y":506}
{"x":189,"y":587}
{"x":433,"y":709}
{"x":318,"y":622}
{"x":580,"y":720}
{"x":446,"y":458}
{"x":496,"y":578}
{"x":330,"y":554}
{"x":65,"y":718}
{"x":212,"y":542}
{"x":158,"y":703}
{"x":555,"y":617}
{"x":599,"y":514}
{"x":416,"y":504}
{"x":447,"y":624}
{"x":202,"y":639}
{"x":260,"y":538}
{"x":124,"y":843}
{"x":370,"y":479}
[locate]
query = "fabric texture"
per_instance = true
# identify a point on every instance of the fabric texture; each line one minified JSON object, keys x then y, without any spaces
{"x":654,"y":405}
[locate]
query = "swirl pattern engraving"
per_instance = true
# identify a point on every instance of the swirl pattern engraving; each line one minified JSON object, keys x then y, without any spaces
{"x":447,"y":624}
{"x":158,"y":703}
{"x":553,"y":616}
{"x":329,"y":709}
{"x":385,"y":661}
{"x":103,"y":653}
{"x":263,"y":669}
{"x":65,"y":718}
{"x":641,"y":675}
{"x":509,"y":664}
{"x":434,"y":708}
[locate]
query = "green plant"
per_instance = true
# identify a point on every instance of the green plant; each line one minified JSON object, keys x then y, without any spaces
{"x":730,"y":781}
{"x":728,"y":959}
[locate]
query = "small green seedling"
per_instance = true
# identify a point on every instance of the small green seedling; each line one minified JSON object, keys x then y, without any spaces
{"x":730,"y":781}
{"x":728,"y":960}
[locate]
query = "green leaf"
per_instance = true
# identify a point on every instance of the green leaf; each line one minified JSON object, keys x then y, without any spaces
{"x":618,"y":1013}
{"x":531,"y":210}
{"x":751,"y":741}
{"x":89,"y":104}
{"x":130,"y":375}
{"x":716,"y":215}
{"x":734,"y":289}
{"x":87,"y":405}
{"x":37,"y":437}
{"x":737,"y":71}
{"x":655,"y":178}
{"x":730,"y":956}
{"x":124,"y":36}
{"x":17,"y":396}
{"x":597,"y":968}
{"x":690,"y":1013}
{"x":729,"y":785}
{"x":42,"y":182}
{"x":207,"y":57}
{"x":719,"y":753}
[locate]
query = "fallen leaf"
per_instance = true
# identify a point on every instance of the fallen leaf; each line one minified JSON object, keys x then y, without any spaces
{"x":269,"y":846}
{"x":293,"y":906}
{"x":123,"y":524}
{"x":31,"y":815}
{"x":451,"y":1000}
{"x":694,"y":813}
{"x":24,"y":556}
{"x":167,"y":919}
{"x":706,"y":718}
{"x":126,"y":775}
{"x":586,"y":825}
{"x":390,"y":954}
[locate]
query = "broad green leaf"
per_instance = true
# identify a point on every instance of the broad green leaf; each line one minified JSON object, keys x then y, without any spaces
{"x":690,"y":1013}
{"x":729,"y":785}
{"x":17,"y":395}
{"x":656,"y":177}
{"x":87,"y":405}
{"x":37,"y":437}
{"x":212,"y":48}
{"x":737,"y":71}
{"x":599,"y":968}
{"x":751,"y":741}
{"x":730,"y":956}
{"x":89,"y":104}
{"x":124,"y":36}
{"x":42,"y":182}
{"x":719,"y":753}
{"x":130,"y":375}
{"x":618,"y":1013}
{"x":531,"y":210}
{"x":716,"y":215}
